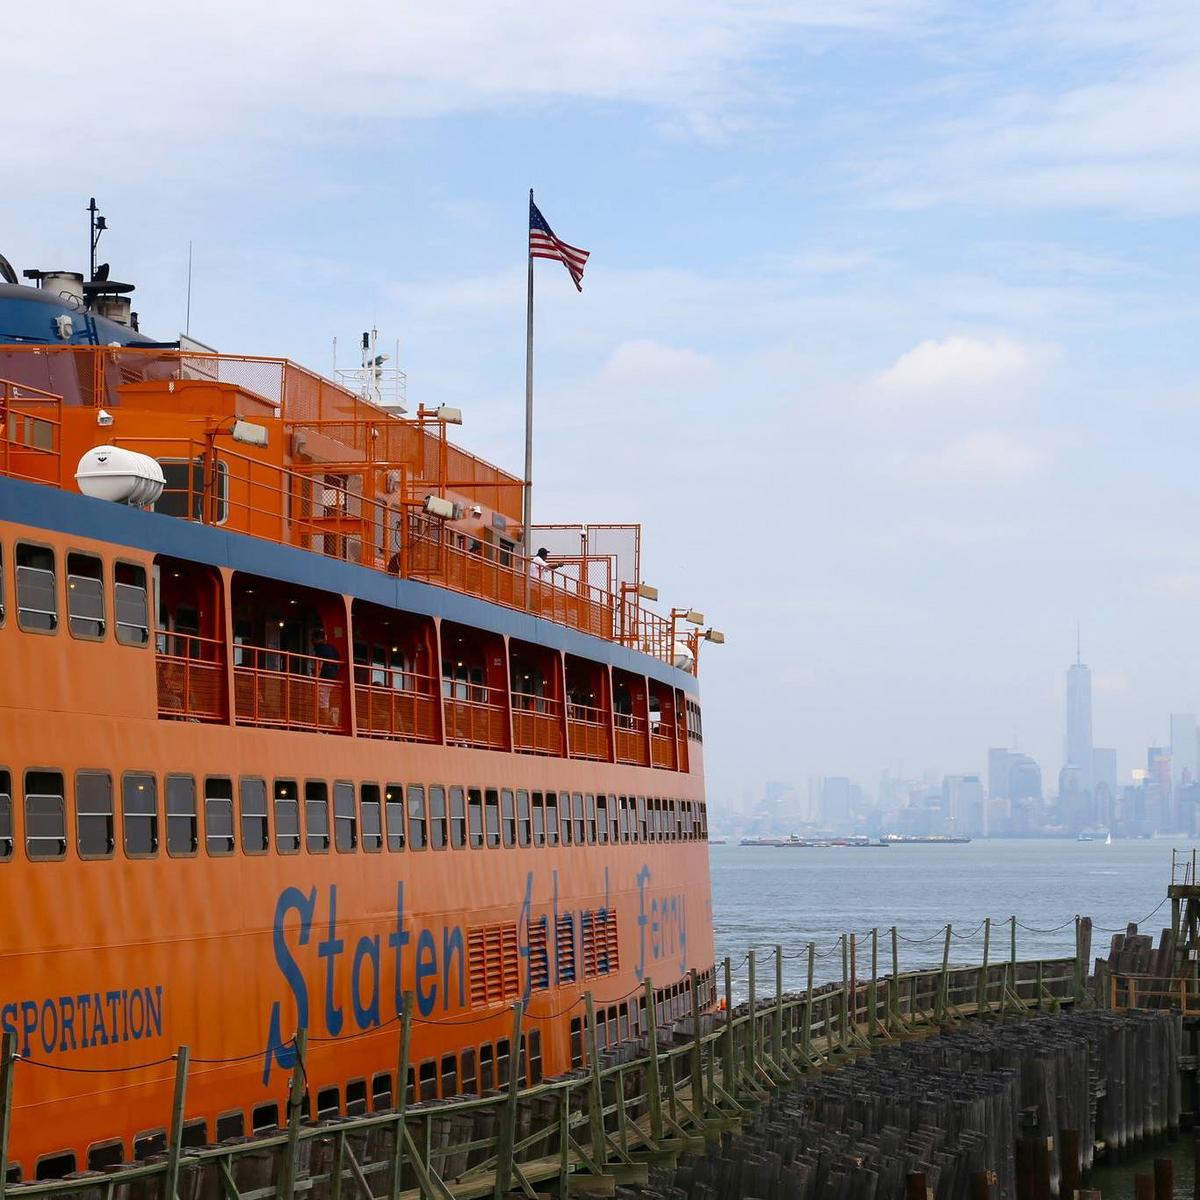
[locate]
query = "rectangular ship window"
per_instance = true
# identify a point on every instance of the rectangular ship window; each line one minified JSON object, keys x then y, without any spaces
{"x":182,"y":835}
{"x":449,"y":1075}
{"x":381,"y":1091}
{"x":458,"y":818}
{"x":370,"y":818}
{"x":85,"y":595}
{"x":589,"y":816}
{"x":539,"y":820}
{"x":564,"y":816}
{"x":95,"y":835}
{"x":218,"y":815}
{"x":287,"y":816}
{"x":437,"y":817}
{"x":508,"y":820}
{"x":129,"y":604}
{"x":37,"y":593}
{"x":6,"y":820}
{"x":255,"y":832}
{"x":523,"y":823}
{"x":345,"y":819}
{"x":577,"y":817}
{"x":492,"y":813}
{"x":393,"y":798}
{"x":469,"y":1083}
{"x":551,"y":818}
{"x":428,"y":1080}
{"x":45,"y":815}
{"x":475,"y":817}
{"x":316,"y":816}
{"x":601,"y":818}
{"x":416,"y":817}
{"x":139,"y":812}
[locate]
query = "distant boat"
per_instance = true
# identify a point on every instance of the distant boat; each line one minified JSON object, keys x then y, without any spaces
{"x":1108,"y":839}
{"x":922,"y":839}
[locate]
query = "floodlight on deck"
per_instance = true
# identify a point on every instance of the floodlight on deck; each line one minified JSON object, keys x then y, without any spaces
{"x":647,"y":591}
{"x":438,"y":506}
{"x":692,"y":617}
{"x":249,"y":433}
{"x":451,"y":416}
{"x":715,"y":636}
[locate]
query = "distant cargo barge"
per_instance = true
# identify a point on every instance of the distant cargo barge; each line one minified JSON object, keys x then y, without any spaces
{"x":912,"y":839}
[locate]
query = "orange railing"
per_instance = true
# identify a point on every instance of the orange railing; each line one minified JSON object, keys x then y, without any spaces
{"x":191,"y":677}
{"x":662,"y":749}
{"x":338,"y":509}
{"x":407,"y":712}
{"x":1129,"y":992}
{"x":587,"y":732}
{"x":537,"y":724}
{"x":30,"y":431}
{"x":631,"y":740}
{"x":283,"y":690}
{"x":475,"y":715}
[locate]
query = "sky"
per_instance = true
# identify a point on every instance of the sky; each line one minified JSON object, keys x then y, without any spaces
{"x":888,"y":337}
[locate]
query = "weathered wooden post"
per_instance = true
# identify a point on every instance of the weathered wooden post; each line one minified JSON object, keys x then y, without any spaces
{"x":508,"y":1118}
{"x":1079,"y":965}
{"x":1143,"y":1187}
{"x":697,"y":1048}
{"x":873,"y":986}
{"x":806,"y":1035}
{"x":175,"y":1145}
{"x":894,"y":986}
{"x":981,"y":1186}
{"x":653,"y":1083}
{"x":1196,"y":1167}
{"x":1068,"y":1162}
{"x":844,"y":1024}
{"x":1164,"y":1179}
{"x":915,"y":1187}
{"x":944,"y":978}
{"x":982,"y":1002}
{"x":401,"y":1091}
{"x":1012,"y":963}
{"x":8,"y":1065}
{"x":752,"y":1040}
{"x":295,"y":1105}
{"x":1039,"y":982}
{"x":778,"y":1043}
{"x":595,"y":1091}
{"x":729,"y":1083}
{"x":853,"y":990}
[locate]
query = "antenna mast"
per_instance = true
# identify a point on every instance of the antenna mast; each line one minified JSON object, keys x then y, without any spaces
{"x":96,"y":226}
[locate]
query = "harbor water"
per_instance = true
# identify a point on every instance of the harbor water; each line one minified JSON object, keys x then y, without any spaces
{"x":764,"y":896}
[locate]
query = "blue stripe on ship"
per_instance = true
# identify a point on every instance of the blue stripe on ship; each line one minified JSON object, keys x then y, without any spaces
{"x":68,"y":512}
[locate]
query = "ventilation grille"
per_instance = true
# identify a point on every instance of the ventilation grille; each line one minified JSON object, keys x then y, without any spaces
{"x":495,"y":963}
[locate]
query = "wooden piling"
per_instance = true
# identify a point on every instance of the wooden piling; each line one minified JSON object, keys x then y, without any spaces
{"x":175,"y":1145}
{"x":806,"y":1036}
{"x":295,"y":1106}
{"x":1143,"y":1187}
{"x":873,"y":987}
{"x":893,"y":984}
{"x":982,"y":1000}
{"x":777,"y":1043}
{"x":729,"y":1081}
{"x":653,"y":1083}
{"x":915,"y":1186}
{"x":397,"y":1172}
{"x":943,"y":997}
{"x":981,"y":1185}
{"x":697,"y":1047}
{"x":508,"y":1120}
{"x":1164,"y":1179}
{"x":8,"y":1064}
{"x":595,"y":1090}
{"x":752,"y":1036}
{"x":1068,"y":1162}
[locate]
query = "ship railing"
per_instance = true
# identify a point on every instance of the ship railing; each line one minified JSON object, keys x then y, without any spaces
{"x":475,"y":715}
{"x":537,"y":724}
{"x":1183,"y":868}
{"x":587,"y":732}
{"x":405,"y":711}
{"x":282,"y":689}
{"x":30,"y":433}
{"x":631,"y":740}
{"x":191,"y":676}
{"x":663,"y":750}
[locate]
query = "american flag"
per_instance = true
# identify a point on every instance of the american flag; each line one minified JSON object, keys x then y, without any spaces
{"x":544,"y":244}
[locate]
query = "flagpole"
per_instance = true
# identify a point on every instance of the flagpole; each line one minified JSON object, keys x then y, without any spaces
{"x":527,"y":514}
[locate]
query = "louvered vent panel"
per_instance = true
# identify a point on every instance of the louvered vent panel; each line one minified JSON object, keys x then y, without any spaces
{"x":539,"y":956}
{"x":566,"y":949}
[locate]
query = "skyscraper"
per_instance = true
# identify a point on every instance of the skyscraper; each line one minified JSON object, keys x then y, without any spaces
{"x":1183,"y":748}
{"x":998,"y":767}
{"x":1079,"y":721}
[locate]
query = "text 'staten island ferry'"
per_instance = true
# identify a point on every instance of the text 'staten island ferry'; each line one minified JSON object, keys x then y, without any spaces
{"x":308,"y":735}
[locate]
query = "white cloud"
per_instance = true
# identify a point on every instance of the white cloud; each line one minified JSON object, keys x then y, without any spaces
{"x":646,"y":365}
{"x":991,"y":454}
{"x":956,"y":365}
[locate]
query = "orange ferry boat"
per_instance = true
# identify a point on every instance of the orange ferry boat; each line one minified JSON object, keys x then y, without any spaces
{"x":303,"y":734}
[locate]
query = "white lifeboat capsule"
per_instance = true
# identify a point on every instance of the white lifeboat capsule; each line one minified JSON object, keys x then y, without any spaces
{"x":120,"y":475}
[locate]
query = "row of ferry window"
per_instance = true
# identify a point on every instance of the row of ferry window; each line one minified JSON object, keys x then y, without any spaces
{"x":87,"y":612}
{"x":395,"y":815}
{"x":471,"y":1071}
